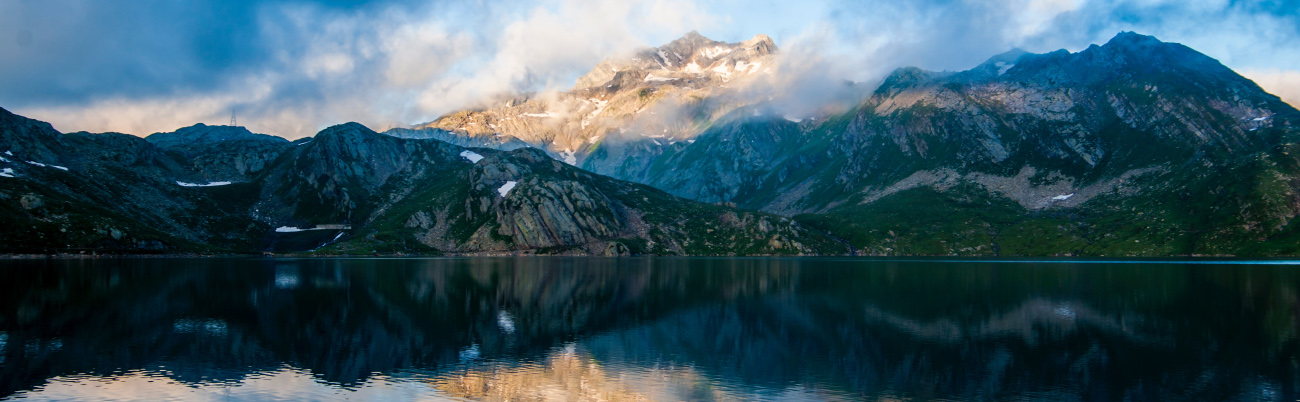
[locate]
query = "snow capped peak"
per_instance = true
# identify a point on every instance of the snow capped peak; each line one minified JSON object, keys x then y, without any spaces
{"x":692,"y":53}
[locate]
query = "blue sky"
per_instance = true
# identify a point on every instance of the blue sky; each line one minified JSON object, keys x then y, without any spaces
{"x":291,"y":68}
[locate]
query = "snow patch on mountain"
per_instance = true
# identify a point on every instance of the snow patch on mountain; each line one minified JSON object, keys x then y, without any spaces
{"x":569,"y":157}
{"x":600,"y":107}
{"x":716,"y":51}
{"x":48,"y":166}
{"x":505,"y":188}
{"x":212,"y":184}
{"x":1003,"y":67}
{"x":471,"y":156}
{"x":664,"y":56}
{"x":748,"y":68}
{"x":723,"y":70}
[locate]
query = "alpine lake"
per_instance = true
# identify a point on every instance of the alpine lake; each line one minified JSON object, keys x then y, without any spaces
{"x":632,"y":329}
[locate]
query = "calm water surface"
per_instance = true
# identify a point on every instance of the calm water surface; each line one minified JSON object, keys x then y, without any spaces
{"x":646,"y":329}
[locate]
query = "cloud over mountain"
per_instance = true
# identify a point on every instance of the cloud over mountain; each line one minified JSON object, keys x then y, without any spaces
{"x":293,"y":67}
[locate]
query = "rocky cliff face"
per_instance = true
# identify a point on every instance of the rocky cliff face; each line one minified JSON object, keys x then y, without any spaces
{"x":110,"y":191}
{"x":521,"y":200}
{"x":1084,"y":133}
{"x":1133,"y":104}
{"x":349,"y":189}
{"x":345,"y":173}
{"x":221,"y":153}
{"x":504,"y":143}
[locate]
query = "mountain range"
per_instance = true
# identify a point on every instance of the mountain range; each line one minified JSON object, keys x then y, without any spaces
{"x":1132,"y":148}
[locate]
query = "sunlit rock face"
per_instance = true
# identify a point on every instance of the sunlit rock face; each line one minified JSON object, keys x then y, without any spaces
{"x":625,"y":111}
{"x":646,"y":329}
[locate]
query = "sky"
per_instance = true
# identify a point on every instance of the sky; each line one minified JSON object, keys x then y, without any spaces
{"x":293,"y":67}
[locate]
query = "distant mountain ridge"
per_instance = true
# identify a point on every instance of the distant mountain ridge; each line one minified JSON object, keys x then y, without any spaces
{"x":347,"y":190}
{"x":1132,"y":148}
{"x":201,"y":134}
{"x":220,"y":153}
{"x":1073,"y":113}
{"x":1061,"y":144}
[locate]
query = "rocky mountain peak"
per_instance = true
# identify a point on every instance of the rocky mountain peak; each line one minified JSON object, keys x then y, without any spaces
{"x":1130,"y":38}
{"x":346,"y":141}
{"x":201,"y":134}
{"x":692,"y":40}
{"x":1144,"y":52}
{"x":996,"y":66}
{"x":12,"y":120}
{"x":638,"y":98}
{"x":344,"y":129}
{"x":690,"y":57}
{"x":30,"y":139}
{"x":760,"y":43}
{"x":904,"y":77}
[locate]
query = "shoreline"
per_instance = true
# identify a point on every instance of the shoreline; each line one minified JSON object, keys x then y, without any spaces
{"x":1199,"y":259}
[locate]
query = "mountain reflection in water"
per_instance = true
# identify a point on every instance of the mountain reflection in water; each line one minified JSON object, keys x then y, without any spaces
{"x":645,"y":329}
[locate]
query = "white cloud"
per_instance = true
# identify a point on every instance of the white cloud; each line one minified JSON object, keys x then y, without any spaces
{"x":393,"y":67}
{"x":401,"y":65}
{"x":1283,"y":83}
{"x":1033,"y":17}
{"x":555,"y":43}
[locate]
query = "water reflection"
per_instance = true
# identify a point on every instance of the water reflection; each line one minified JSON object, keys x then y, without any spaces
{"x":645,"y":329}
